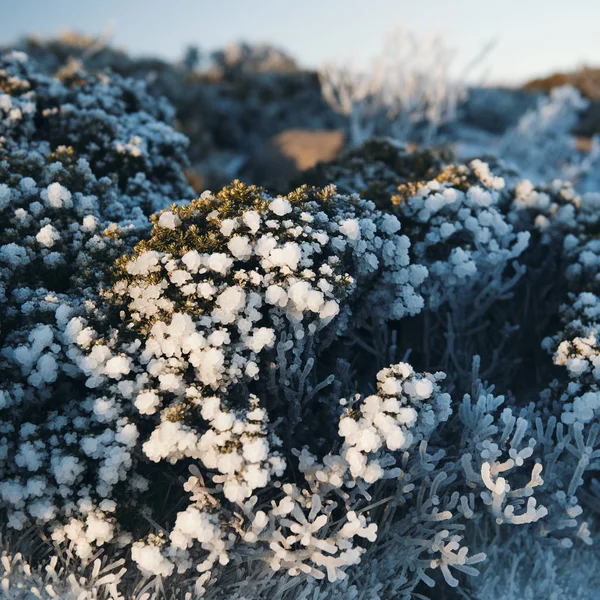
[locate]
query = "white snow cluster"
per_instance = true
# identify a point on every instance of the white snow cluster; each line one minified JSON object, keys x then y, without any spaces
{"x":390,"y":419}
{"x":554,"y":211}
{"x":466,"y":242}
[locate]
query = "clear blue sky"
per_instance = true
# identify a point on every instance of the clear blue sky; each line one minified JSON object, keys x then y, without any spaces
{"x":534,"y":37}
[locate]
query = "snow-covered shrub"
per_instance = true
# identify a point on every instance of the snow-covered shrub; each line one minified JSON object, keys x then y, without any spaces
{"x":568,"y":409}
{"x":453,"y":213}
{"x":110,"y":121}
{"x":459,"y":219}
{"x":460,"y":233}
{"x":377,"y":168}
{"x":65,"y":178}
{"x":541,"y":143}
{"x":408,"y":92}
{"x":69,"y":170}
{"x":576,"y":347}
{"x":226,"y":307}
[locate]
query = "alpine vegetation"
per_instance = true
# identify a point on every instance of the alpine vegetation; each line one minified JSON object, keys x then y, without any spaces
{"x":409,"y":91}
{"x":381,"y":384}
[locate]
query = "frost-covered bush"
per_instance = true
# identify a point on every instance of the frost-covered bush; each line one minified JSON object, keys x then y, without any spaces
{"x":71,"y":198}
{"x":110,"y":121}
{"x":575,"y":347}
{"x":461,"y":234}
{"x":408,"y":92}
{"x":71,"y":201}
{"x":210,"y":331}
{"x":541,"y":143}
{"x":454,"y":213}
{"x":461,"y":224}
{"x":376,"y":169}
{"x":77,"y":158}
{"x":198,"y":329}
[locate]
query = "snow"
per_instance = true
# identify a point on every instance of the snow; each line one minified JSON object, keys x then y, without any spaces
{"x":4,"y":195}
{"x":151,"y":561}
{"x":14,"y":255}
{"x":117,"y":366}
{"x":262,"y":337}
{"x":219,"y":262}
{"x":57,"y":196}
{"x":169,"y":220}
{"x":48,"y":236}
{"x":240,"y":247}
{"x":252,"y":220}
{"x":287,"y":256}
{"x":280,"y":206}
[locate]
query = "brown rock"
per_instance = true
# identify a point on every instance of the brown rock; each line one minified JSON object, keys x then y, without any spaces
{"x":306,"y":148}
{"x":290,"y":152}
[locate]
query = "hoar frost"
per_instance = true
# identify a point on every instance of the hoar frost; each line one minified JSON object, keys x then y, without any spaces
{"x":226,"y":390}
